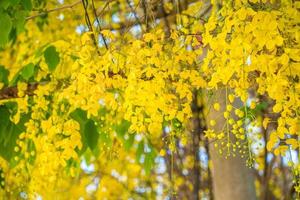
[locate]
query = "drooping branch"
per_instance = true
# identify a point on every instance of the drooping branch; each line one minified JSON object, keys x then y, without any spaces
{"x":12,"y":92}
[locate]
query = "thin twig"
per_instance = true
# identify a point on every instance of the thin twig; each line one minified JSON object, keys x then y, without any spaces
{"x":69,"y":6}
{"x":98,"y":23}
{"x":101,"y":12}
{"x":89,"y":24}
{"x":168,"y":28}
{"x":144,"y":5}
{"x":134,"y":13}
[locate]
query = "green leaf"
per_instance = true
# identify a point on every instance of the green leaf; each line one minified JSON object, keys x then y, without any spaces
{"x":19,"y":21}
{"x":4,"y":75}
{"x":51,"y":58}
{"x":2,"y":178}
{"x":105,"y":139}
{"x":128,"y":142}
{"x":4,"y":120}
{"x":14,"y":2}
{"x":31,"y":147}
{"x":4,"y":4}
{"x":24,"y":73}
{"x":81,"y":117}
{"x":139,"y":151}
{"x":149,"y":162}
{"x":177,"y":125}
{"x":28,"y":71}
{"x":122,"y":132}
{"x":15,"y":79}
{"x":9,"y":132}
{"x":7,"y":147}
{"x":261,"y":106}
{"x":91,"y":134}
{"x":122,"y":128}
{"x":5,"y":28}
{"x":27,"y":4}
{"x":149,"y":159}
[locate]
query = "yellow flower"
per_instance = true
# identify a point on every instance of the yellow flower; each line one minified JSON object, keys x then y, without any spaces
{"x":252,"y":105}
{"x":226,"y":115}
{"x":22,"y":87}
{"x":212,"y":122}
{"x":162,"y":152}
{"x":266,"y":122}
{"x":217,"y":106}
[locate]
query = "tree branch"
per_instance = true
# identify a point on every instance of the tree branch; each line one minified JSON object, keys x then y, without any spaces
{"x":12,"y":92}
{"x":157,"y":15}
{"x":98,"y":23}
{"x":69,"y":6}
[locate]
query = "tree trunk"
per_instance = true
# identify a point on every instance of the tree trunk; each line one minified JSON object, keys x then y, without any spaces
{"x":232,"y":179}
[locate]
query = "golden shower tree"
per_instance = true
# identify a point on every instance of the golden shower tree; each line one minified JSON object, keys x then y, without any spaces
{"x":146,"y":99}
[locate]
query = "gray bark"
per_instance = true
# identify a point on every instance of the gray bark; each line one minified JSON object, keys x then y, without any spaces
{"x":232,"y":179}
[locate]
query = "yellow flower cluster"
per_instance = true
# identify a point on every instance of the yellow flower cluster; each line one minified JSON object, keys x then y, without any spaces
{"x":257,"y":49}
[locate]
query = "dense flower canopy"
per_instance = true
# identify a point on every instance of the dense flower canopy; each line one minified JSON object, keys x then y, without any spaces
{"x":110,"y":85}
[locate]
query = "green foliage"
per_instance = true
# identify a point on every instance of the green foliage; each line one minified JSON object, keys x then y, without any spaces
{"x":27,"y":4}
{"x":145,"y":154}
{"x":4,"y":75}
{"x":28,"y":71}
{"x":149,"y":160}
{"x":4,"y":119}
{"x":89,"y":131}
{"x":13,"y":15}
{"x":122,"y":132}
{"x":177,"y":125}
{"x":91,"y":134}
{"x":5,"y":27}
{"x":139,"y":151}
{"x":260,"y":107}
{"x":122,"y":128}
{"x":9,"y":131}
{"x":252,"y":113}
{"x":2,"y":183}
{"x":4,"y":3}
{"x":51,"y":58}
{"x":81,"y":117}
{"x":19,"y":21}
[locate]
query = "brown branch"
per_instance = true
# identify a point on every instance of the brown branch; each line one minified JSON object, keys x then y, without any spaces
{"x":167,"y":25}
{"x":12,"y":92}
{"x":98,"y":23}
{"x":69,"y":6}
{"x":157,"y":15}
{"x":100,"y":12}
{"x":144,"y":5}
{"x":197,"y":130}
{"x":89,"y":24}
{"x":138,"y":21}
